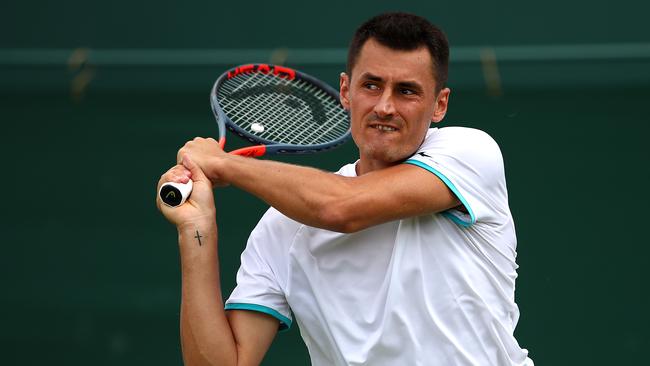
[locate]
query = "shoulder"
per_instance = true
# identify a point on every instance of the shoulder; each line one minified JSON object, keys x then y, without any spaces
{"x":458,"y":137}
{"x":462,"y":144}
{"x":469,"y":162}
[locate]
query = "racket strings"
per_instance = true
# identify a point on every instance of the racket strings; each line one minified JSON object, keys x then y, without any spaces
{"x":321,"y":130}
{"x":291,"y":111}
{"x":291,"y":128}
{"x":241,"y":112}
{"x":325,"y":128}
{"x":302,"y":136}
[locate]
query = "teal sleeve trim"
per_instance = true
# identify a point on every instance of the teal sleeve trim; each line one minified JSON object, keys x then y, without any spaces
{"x":457,"y":220}
{"x":285,"y":323}
{"x":453,"y":188}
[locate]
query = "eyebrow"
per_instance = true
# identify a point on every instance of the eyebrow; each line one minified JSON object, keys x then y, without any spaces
{"x":403,"y":84}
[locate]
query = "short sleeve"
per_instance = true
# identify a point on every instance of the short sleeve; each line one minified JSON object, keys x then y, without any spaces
{"x":258,"y":281}
{"x":469,"y":162}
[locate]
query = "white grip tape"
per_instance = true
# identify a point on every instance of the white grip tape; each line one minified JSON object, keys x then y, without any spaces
{"x":184,"y":189}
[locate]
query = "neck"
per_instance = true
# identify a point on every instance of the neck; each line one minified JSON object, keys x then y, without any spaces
{"x":365,"y":166}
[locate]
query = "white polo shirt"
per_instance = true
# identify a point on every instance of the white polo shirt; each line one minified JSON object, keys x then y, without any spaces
{"x":430,"y":290}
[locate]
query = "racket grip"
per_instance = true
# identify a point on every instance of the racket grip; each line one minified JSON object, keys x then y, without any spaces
{"x":175,"y":194}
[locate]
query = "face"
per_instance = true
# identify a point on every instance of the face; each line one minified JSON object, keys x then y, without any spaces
{"x":392,"y":102}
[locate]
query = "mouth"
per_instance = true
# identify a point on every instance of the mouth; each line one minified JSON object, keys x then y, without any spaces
{"x":384,"y":128}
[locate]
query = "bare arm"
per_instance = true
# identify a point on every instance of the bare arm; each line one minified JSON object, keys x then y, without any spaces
{"x":338,"y":203}
{"x":208,"y":335}
{"x":327,"y":200}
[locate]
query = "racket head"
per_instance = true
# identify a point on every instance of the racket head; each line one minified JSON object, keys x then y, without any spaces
{"x":284,"y":109}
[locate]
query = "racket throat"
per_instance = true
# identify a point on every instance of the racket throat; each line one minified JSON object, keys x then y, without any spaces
{"x":251,"y":151}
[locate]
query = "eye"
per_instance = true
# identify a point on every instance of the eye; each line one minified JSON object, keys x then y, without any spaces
{"x":407,"y":91}
{"x":370,"y":86}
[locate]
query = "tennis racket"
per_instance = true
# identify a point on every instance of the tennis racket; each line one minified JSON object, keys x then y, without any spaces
{"x":280,"y":110}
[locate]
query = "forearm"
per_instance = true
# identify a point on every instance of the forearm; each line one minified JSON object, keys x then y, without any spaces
{"x":302,"y":193}
{"x":206,"y":335}
{"x":333,"y":202}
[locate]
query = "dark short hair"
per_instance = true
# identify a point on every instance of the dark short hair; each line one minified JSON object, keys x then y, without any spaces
{"x":404,"y":32}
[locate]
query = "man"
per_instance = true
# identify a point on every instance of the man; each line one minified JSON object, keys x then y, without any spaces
{"x":406,"y":257}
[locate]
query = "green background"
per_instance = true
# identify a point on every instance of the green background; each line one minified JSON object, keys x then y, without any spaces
{"x":90,"y":272}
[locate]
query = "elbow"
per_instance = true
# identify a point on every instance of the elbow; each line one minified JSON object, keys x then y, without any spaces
{"x":337,"y":217}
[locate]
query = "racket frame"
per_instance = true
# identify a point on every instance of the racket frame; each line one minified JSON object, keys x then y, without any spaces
{"x":263,"y":146}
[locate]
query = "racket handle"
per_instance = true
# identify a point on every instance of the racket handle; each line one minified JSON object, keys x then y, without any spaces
{"x":175,"y":194}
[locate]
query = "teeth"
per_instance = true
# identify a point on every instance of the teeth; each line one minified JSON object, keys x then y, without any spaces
{"x":385,"y":128}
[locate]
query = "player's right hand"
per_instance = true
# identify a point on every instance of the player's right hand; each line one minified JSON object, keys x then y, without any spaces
{"x":199,"y":207}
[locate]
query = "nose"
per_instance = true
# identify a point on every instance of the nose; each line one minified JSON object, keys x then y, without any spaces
{"x":385,"y":106}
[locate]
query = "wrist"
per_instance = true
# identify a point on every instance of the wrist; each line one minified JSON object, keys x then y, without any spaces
{"x":217,"y":169}
{"x":193,"y":236}
{"x":204,"y":223}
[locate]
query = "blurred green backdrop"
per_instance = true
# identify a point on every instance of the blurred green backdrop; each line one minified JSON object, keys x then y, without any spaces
{"x":97,"y":97}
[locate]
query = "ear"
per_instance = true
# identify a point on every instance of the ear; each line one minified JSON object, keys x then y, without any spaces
{"x":442,"y":101}
{"x":344,"y":88}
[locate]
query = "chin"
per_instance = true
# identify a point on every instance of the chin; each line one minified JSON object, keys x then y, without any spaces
{"x":385,"y":155}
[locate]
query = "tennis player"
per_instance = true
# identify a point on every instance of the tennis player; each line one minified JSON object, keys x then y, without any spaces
{"x":405,"y":257}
